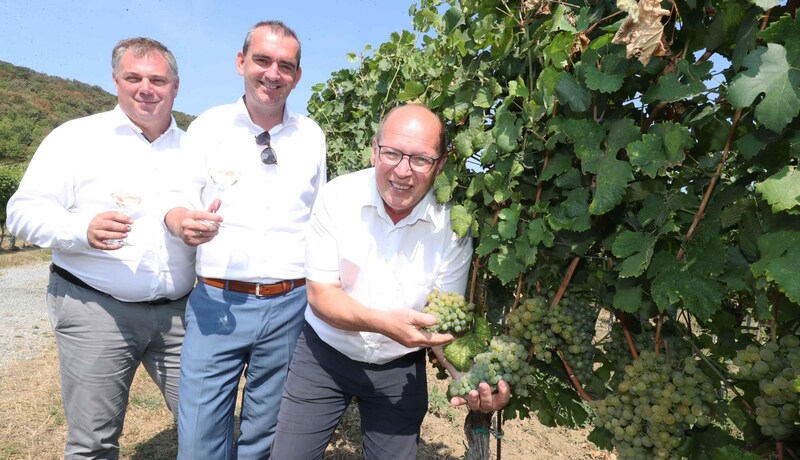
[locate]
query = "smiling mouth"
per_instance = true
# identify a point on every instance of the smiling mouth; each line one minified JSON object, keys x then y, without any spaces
{"x":397,"y":186}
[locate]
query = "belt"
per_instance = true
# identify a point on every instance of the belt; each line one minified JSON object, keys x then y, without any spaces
{"x":69,"y":277}
{"x":256,"y":289}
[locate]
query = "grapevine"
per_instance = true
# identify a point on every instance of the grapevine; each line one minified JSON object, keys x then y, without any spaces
{"x":656,"y":403}
{"x":776,"y":367}
{"x":655,"y":143}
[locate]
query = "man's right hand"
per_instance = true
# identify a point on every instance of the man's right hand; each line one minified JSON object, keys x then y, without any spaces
{"x":406,"y":327}
{"x":194,"y":227}
{"x":109,"y":225}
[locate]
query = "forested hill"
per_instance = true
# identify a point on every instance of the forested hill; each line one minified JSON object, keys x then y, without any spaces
{"x":33,"y":103}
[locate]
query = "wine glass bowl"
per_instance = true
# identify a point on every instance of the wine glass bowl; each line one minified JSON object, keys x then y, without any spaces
{"x":223,"y":175}
{"x":126,"y":201}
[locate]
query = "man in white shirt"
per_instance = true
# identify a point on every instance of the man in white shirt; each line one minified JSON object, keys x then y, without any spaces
{"x":118,"y":282}
{"x":378,"y":244}
{"x":247,"y":309}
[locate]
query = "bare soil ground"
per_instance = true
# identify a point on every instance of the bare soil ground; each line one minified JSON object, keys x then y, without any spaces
{"x":32,"y":424}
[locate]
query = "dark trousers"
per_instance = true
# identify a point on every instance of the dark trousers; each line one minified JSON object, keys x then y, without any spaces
{"x":392,"y":401}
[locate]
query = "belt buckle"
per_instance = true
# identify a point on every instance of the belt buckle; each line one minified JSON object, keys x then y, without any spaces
{"x":258,"y":290}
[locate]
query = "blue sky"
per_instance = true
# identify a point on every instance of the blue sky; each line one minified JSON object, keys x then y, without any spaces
{"x":73,"y":38}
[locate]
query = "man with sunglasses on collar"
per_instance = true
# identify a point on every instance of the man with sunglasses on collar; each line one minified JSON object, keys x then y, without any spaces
{"x":118,"y":283}
{"x":246,"y":311}
{"x":378,"y":244}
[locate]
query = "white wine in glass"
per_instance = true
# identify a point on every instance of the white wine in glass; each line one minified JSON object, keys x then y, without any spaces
{"x":223,"y":177}
{"x":126,"y":202}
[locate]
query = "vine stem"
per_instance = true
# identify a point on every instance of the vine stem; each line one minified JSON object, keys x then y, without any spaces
{"x":627,"y":333}
{"x":572,"y":378}
{"x":707,"y":196}
{"x":561,"y":289}
{"x":565,"y":282}
{"x":657,"y":339}
{"x":696,"y":350}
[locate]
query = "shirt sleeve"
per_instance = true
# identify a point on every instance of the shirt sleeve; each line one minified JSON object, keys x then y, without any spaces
{"x":190,"y":174}
{"x":321,"y":257}
{"x":456,"y":259}
{"x":41,"y":210}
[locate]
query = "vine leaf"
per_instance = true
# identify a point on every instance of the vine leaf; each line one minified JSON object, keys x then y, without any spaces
{"x":775,"y":73}
{"x":605,"y":82}
{"x":508,"y":130}
{"x":685,"y":282}
{"x":786,"y":31}
{"x":612,"y":177}
{"x":779,"y":254}
{"x":412,"y":90}
{"x":509,"y":217}
{"x":646,"y":154}
{"x":505,"y":265}
{"x":637,"y":250}
{"x":461,"y":220}
{"x":671,"y":88}
{"x":570,"y":91}
{"x":627,"y":298}
{"x":782,"y":190}
{"x":643,"y":35}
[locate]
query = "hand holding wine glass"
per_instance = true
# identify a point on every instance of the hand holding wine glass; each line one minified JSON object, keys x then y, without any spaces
{"x":223,"y":174}
{"x":126,"y":201}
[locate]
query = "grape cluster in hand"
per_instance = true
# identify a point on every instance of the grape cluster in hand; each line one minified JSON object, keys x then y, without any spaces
{"x":506,"y":360}
{"x":657,"y":402}
{"x":776,"y":367}
{"x":453,"y":313}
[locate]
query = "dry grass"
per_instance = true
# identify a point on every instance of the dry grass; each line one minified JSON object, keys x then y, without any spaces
{"x":32,"y":423}
{"x":20,"y":257}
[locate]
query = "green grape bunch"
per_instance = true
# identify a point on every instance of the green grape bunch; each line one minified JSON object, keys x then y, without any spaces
{"x":506,"y":360}
{"x":568,"y":326}
{"x":656,"y":403}
{"x":453,"y":313}
{"x":776,"y":367}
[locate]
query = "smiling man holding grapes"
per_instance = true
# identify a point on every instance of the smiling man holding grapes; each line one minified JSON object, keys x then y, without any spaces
{"x":119,"y":280}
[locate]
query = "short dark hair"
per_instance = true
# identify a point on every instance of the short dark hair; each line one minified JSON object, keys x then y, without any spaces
{"x":276,"y":27}
{"x":140,"y":47}
{"x":442,"y":147}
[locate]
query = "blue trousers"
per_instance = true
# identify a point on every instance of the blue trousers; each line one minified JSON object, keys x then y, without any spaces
{"x":392,"y":402}
{"x":228,"y":333}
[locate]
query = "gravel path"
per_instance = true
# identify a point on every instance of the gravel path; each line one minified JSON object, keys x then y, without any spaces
{"x":24,"y":327}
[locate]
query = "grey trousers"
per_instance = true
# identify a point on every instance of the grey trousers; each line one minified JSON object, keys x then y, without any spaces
{"x":101,"y":342}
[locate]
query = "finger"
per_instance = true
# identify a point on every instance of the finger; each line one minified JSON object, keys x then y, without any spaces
{"x":215,"y":205}
{"x":485,"y":395}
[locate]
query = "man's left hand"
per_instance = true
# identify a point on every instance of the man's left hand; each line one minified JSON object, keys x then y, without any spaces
{"x":483,"y":400}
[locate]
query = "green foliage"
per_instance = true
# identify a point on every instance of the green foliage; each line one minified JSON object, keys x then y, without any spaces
{"x":673,"y":182}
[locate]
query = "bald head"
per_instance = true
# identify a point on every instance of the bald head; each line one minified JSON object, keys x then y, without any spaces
{"x":416,"y":113}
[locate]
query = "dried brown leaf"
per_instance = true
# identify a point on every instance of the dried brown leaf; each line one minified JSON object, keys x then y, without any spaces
{"x":644,"y":38}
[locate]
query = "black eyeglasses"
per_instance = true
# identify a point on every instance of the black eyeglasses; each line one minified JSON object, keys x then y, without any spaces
{"x":268,"y":156}
{"x":418,"y":163}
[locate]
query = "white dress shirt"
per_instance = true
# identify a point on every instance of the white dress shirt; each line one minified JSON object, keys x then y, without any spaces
{"x":266,"y":211}
{"x":380,"y":264}
{"x":70,"y":180}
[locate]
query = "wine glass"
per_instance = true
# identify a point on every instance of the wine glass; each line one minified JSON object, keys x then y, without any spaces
{"x":223,"y":174}
{"x":126,"y":201}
